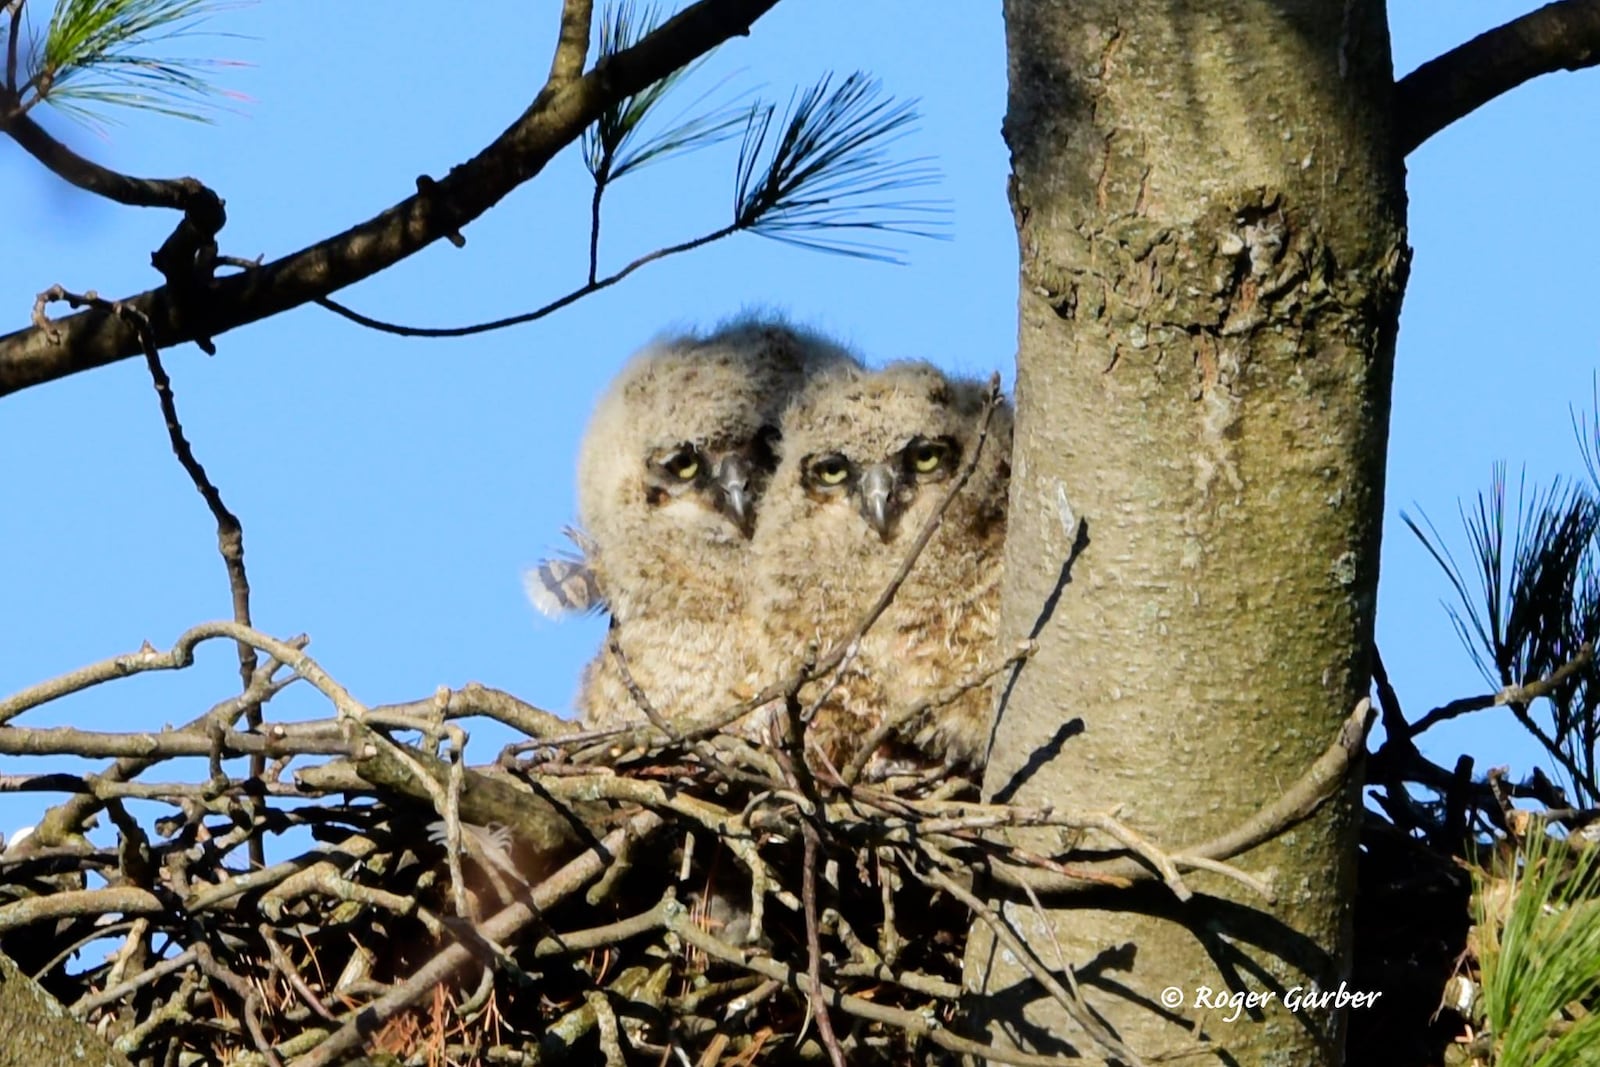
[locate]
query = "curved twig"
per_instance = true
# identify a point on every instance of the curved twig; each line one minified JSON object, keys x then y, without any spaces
{"x":1296,"y":804}
{"x":1561,"y":36}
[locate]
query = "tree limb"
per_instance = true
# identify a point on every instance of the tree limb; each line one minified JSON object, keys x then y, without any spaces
{"x":573,"y":47}
{"x":1561,"y":36}
{"x":438,"y":209}
{"x":180,"y":194}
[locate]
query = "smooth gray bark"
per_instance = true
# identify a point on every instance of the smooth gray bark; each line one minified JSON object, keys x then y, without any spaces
{"x":1211,"y":215}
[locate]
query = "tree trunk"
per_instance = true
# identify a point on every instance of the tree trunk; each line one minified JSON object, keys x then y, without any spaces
{"x":38,"y":1031}
{"x":1211,"y":215}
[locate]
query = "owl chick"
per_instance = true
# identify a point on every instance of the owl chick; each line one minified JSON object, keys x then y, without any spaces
{"x":867,"y":457}
{"x":670,"y":474}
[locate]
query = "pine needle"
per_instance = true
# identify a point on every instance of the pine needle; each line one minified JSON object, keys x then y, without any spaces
{"x":617,"y":143}
{"x":1538,"y":945}
{"x":820,"y":177}
{"x":94,"y":58}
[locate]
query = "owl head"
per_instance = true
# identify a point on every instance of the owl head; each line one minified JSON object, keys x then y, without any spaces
{"x":869,"y":455}
{"x":681,"y":447}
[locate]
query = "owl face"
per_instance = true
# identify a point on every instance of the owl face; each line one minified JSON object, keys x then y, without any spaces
{"x":880,"y":491}
{"x":693,"y":483}
{"x":873,"y":452}
{"x":678,"y":455}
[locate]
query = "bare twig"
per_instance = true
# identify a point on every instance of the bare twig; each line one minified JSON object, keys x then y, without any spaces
{"x":640,"y":700}
{"x":808,"y":896}
{"x":536,"y":314}
{"x":181,"y":657}
{"x":87,"y":1005}
{"x":1325,"y":777}
{"x":1514,"y":695}
{"x":910,"y":1022}
{"x":230,"y":534}
{"x":291,"y":974}
{"x":249,"y":1000}
{"x":474,"y":699}
{"x":196,"y":739}
{"x":1025,"y":957}
{"x":65,"y":819}
{"x":702,"y":748}
{"x":1579,"y":774}
{"x":945,"y":697}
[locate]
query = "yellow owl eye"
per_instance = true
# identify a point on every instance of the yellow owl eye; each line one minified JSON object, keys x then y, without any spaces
{"x":927,"y":457}
{"x":832,"y":470}
{"x":683,"y":464}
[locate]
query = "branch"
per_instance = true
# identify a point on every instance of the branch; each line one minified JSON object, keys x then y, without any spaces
{"x":1297,"y":803}
{"x":194,"y":740}
{"x":943,"y":698}
{"x":1071,"y":1003}
{"x":1515,"y":695}
{"x":179,"y":194}
{"x":808,"y":893}
{"x":588,"y":289}
{"x":551,"y":829}
{"x":474,"y":699}
{"x":14,"y":12}
{"x":230,"y":534}
{"x":1561,"y":36}
{"x":71,"y":903}
{"x":181,"y":657}
{"x":188,"y":255}
{"x":438,"y":209}
{"x":573,"y":46}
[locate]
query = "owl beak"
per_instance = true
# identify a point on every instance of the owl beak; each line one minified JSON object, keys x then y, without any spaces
{"x":733,"y":492}
{"x":878,"y":504}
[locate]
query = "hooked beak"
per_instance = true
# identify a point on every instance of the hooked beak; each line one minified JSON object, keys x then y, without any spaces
{"x":733,"y":492}
{"x":878,"y":504}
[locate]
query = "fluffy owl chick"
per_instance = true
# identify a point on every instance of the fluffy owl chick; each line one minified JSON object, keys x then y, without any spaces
{"x":867,"y":457}
{"x":670,"y":473}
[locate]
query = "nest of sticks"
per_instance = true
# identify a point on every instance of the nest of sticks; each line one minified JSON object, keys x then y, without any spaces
{"x":670,"y":893}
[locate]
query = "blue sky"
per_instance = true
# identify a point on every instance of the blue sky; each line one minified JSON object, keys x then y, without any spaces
{"x":393,"y":489}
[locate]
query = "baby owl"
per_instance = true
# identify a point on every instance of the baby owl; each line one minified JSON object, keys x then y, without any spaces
{"x":670,"y":473}
{"x":867,"y":457}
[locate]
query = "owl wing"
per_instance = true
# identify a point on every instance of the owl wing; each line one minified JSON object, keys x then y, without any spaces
{"x":564,"y":583}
